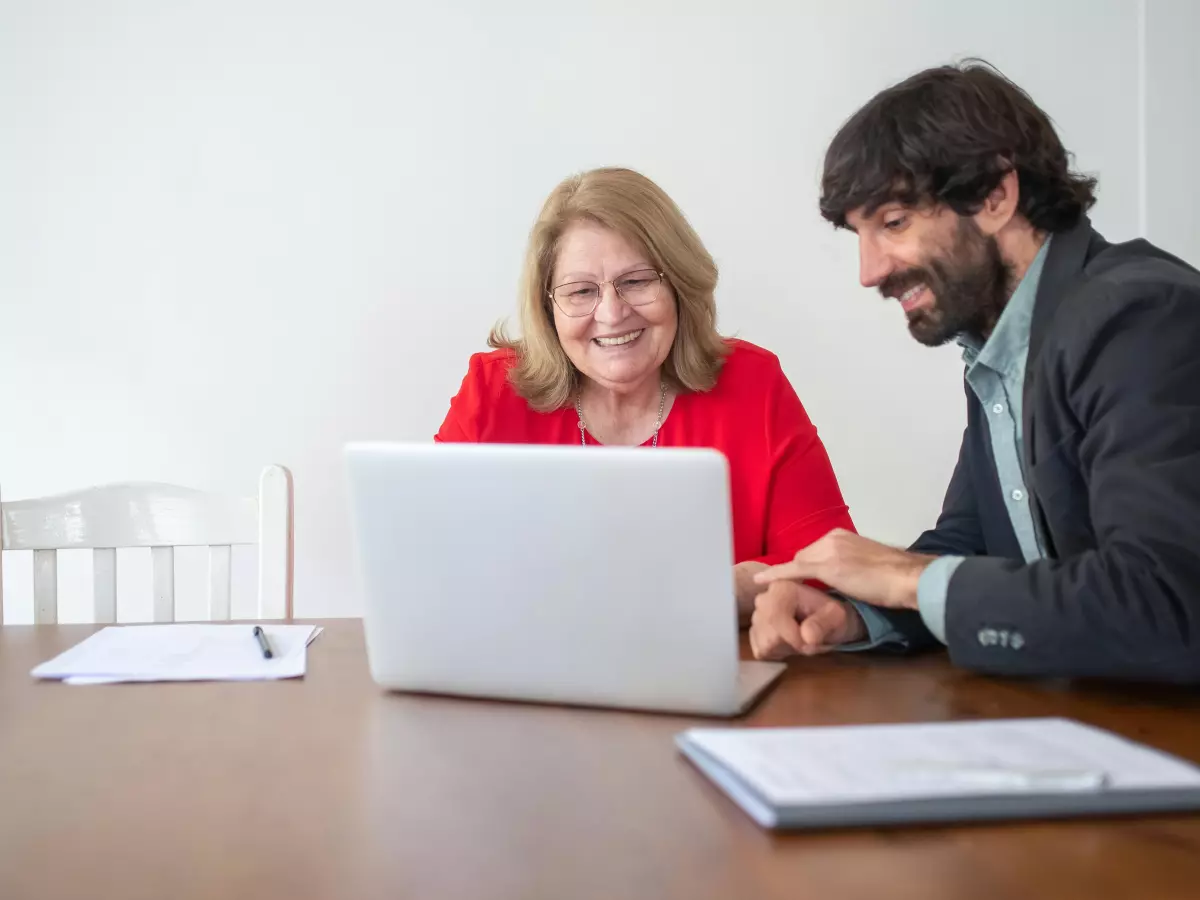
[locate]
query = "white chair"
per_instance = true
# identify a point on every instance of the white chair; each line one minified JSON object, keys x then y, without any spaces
{"x":161,"y":517}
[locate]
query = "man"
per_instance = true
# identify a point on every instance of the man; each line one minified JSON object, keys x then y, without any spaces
{"x":1069,"y":541}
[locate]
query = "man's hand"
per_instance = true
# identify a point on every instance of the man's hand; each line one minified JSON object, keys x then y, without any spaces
{"x":858,"y":567}
{"x":792,"y":619}
{"x":746,"y":588}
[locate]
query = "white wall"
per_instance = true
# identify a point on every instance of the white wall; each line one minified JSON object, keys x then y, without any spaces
{"x":1172,"y":126}
{"x":234,"y":233}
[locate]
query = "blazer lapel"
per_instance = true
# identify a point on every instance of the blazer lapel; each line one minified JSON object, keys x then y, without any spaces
{"x":1068,"y":253}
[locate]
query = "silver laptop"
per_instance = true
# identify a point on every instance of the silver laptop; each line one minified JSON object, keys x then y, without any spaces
{"x":598,"y":576}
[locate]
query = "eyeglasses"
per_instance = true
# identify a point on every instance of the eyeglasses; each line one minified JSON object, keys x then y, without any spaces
{"x":580,"y":298}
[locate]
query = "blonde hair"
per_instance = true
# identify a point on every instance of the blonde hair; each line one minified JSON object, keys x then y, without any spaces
{"x":640,"y":211}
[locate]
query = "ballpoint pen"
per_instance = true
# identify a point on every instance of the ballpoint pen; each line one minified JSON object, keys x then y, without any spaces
{"x":263,"y":643}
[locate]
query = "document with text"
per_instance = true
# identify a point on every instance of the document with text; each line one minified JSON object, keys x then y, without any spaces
{"x":944,"y":771}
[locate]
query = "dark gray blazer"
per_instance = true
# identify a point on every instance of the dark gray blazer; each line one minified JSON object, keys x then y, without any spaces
{"x":1112,"y":464}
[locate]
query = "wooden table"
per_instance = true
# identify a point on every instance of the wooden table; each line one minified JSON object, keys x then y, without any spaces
{"x":328,"y":787}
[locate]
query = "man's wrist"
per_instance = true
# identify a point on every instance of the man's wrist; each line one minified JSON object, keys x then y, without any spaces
{"x":907,"y":596}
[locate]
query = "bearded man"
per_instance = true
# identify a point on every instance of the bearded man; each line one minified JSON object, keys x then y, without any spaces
{"x":1069,"y":541}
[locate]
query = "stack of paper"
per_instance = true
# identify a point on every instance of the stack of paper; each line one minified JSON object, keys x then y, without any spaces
{"x":182,"y":653}
{"x":946,"y":771}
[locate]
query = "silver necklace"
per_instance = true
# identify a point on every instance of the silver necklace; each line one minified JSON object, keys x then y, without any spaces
{"x":662,"y":405}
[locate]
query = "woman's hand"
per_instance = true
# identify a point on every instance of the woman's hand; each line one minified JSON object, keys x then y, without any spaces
{"x":747,"y":589}
{"x":793,"y":619}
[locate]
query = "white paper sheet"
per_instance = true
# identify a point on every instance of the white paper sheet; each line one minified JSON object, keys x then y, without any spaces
{"x":182,"y":652}
{"x":798,"y":767}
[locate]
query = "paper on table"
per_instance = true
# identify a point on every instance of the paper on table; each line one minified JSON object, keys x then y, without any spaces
{"x":124,"y":679}
{"x":873,"y":763}
{"x":181,"y":652}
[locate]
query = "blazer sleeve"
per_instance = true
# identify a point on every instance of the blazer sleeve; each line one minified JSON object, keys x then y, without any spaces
{"x":957,"y":533}
{"x":1129,"y":381}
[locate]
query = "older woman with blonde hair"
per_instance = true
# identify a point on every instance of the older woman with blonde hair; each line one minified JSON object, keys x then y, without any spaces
{"x":619,"y":345}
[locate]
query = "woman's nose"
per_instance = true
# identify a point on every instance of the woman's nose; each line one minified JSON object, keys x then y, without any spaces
{"x":610,"y":307}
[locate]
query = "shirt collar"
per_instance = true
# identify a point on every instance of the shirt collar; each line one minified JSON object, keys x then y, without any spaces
{"x":1009,"y":342}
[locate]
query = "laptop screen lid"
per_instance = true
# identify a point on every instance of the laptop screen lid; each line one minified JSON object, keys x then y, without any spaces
{"x":598,"y":576}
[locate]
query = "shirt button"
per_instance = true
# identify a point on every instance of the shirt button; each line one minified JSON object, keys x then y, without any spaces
{"x":1018,"y":494}
{"x":998,"y":408}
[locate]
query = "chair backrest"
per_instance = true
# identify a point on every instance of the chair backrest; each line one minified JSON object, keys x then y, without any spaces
{"x":160,"y":517}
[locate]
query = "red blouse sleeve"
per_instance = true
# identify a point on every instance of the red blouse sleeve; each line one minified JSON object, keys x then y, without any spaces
{"x":463,"y":421}
{"x":805,"y":502}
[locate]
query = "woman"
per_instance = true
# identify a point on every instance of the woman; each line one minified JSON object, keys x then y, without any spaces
{"x":619,"y":346}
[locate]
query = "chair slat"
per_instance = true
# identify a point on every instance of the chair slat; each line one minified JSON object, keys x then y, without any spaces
{"x":220,"y":577}
{"x":275,"y":543}
{"x":163,"y":560}
{"x":45,"y":587}
{"x":104,"y":585}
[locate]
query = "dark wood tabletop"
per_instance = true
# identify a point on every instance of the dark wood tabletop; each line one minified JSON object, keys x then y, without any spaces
{"x":327,"y":786}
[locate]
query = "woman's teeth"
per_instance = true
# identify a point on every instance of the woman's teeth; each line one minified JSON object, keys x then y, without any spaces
{"x":622,"y":339}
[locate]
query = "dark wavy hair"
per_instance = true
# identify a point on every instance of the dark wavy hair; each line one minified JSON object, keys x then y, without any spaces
{"x":949,"y":135}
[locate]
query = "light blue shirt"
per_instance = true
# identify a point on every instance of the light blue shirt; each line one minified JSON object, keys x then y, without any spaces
{"x":996,"y":375}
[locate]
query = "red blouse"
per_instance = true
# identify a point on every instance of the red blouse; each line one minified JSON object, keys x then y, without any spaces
{"x":784,"y":493}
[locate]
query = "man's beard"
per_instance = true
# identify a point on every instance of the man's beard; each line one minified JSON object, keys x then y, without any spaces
{"x":970,"y":284}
